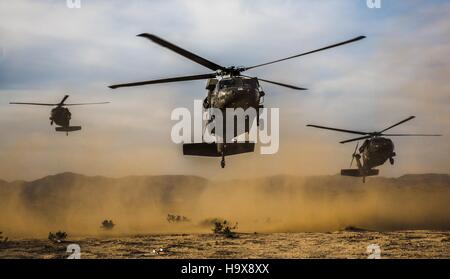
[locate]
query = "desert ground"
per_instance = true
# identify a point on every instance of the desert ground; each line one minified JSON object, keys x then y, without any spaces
{"x":340,"y":244}
{"x":275,"y":217}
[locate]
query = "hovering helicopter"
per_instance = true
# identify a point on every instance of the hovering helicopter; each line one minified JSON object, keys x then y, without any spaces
{"x":375,"y":150}
{"x":227,"y":88}
{"x":60,"y":115}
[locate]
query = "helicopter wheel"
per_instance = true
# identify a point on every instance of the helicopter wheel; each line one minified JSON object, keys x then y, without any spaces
{"x":51,"y":123}
{"x":391,"y":160}
{"x":222,"y":162}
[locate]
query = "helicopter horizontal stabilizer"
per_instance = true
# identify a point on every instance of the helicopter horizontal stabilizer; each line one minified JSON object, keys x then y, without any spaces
{"x":211,"y":149}
{"x":68,"y":129}
{"x":358,"y":173}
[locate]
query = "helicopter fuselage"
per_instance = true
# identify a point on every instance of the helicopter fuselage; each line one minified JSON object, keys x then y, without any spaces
{"x":227,"y":88}
{"x":376,"y":151}
{"x":61,"y":116}
{"x":233,"y":92}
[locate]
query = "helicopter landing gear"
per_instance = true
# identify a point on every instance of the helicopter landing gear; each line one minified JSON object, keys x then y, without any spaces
{"x":391,"y":160}
{"x":222,"y":162}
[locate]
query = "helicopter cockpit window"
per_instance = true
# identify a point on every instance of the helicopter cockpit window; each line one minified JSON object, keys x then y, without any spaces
{"x":250,"y":83}
{"x":238,"y":82}
{"x":227,"y":83}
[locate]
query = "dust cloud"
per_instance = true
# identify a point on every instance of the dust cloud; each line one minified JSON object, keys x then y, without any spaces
{"x":139,"y":204}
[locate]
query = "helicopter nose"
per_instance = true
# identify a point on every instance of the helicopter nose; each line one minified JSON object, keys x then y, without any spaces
{"x":226,"y":97}
{"x":384,"y":147}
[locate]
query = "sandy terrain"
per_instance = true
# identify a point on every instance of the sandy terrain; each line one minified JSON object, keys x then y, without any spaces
{"x":408,"y":217}
{"x":342,"y":244}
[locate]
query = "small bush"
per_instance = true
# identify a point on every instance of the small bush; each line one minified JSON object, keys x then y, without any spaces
{"x":172,"y":218}
{"x":108,"y":225}
{"x":59,"y":236}
{"x":223,"y":228}
{"x":354,"y":229}
{"x":210,"y":222}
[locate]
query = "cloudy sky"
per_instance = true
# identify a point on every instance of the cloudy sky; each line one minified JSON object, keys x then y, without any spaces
{"x":48,"y":50}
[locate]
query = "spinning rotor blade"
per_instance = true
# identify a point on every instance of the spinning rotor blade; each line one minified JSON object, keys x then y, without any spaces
{"x":175,"y":79}
{"x":355,"y":139}
{"x":339,"y":130}
{"x":411,"y":135}
{"x":63,"y":100}
{"x":34,"y":104}
{"x":283,"y":84}
{"x":309,"y":52}
{"x":401,"y":122}
{"x":82,"y":104}
{"x":189,"y":55}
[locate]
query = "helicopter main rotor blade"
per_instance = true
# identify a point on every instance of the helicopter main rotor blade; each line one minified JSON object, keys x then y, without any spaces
{"x":355,"y":139}
{"x":194,"y":57}
{"x":34,"y":104}
{"x":63,"y":100}
{"x":396,"y":124}
{"x":411,"y":135}
{"x":309,"y":52}
{"x":165,"y":80}
{"x":339,"y":130}
{"x":283,"y":84}
{"x":82,"y":104}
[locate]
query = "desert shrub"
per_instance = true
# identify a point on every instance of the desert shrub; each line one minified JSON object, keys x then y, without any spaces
{"x":354,"y":229}
{"x":108,"y":224}
{"x":57,"y":237}
{"x":210,"y":222}
{"x":172,"y":218}
{"x":224,"y":228}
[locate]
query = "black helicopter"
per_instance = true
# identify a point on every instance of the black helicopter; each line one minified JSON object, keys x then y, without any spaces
{"x":60,"y":115}
{"x":375,"y":150}
{"x":227,"y":88}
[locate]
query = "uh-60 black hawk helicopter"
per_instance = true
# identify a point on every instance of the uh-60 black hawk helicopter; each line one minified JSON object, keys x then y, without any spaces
{"x":227,"y":88}
{"x":375,"y":150}
{"x":60,"y":115}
